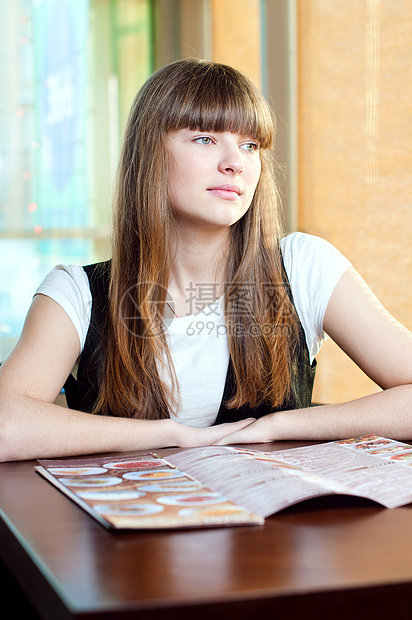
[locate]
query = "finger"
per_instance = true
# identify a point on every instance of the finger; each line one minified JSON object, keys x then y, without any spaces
{"x":241,"y":436}
{"x":233,"y":427}
{"x":229,"y":428}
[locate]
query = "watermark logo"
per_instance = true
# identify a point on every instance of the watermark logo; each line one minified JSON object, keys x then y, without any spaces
{"x":204,"y":304}
{"x":131,"y":303}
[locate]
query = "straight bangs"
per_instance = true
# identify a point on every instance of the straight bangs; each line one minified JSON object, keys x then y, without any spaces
{"x":210,"y":97}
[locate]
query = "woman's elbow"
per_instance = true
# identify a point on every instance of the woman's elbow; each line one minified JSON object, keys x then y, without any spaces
{"x":10,"y":430}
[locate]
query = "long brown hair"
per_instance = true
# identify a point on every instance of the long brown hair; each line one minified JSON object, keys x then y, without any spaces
{"x":203,"y":96}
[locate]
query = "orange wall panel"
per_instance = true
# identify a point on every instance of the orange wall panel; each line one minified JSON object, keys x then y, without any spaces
{"x":236,"y":26}
{"x":355,"y":153}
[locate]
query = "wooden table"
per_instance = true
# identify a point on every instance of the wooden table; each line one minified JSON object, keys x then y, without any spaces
{"x":327,"y":558}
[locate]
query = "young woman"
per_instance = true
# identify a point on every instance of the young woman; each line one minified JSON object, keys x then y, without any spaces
{"x":204,"y":326}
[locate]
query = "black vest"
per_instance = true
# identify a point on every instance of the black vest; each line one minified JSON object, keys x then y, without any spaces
{"x":81,"y":393}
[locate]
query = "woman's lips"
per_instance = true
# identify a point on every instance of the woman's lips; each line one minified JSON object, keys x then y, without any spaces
{"x":228,"y":192}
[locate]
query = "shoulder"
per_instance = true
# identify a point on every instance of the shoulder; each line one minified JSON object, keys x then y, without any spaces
{"x":310,"y":258}
{"x":314,"y":267}
{"x":65,"y":273}
{"x":299,"y":246}
{"x":68,"y":285}
{"x":66,"y":280}
{"x":98,"y":275}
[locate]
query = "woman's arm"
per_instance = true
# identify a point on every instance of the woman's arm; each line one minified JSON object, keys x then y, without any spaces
{"x":32,"y":426}
{"x":381,"y":347}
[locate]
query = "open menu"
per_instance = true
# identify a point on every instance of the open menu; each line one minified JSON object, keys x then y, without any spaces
{"x":227,"y":486}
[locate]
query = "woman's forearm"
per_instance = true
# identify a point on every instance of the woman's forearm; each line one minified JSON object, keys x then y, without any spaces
{"x":32,"y":429}
{"x":387,"y":413}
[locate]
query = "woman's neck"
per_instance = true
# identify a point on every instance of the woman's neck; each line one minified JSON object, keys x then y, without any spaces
{"x":198,"y":272}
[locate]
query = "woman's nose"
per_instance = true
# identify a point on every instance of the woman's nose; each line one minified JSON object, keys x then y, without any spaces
{"x":231,"y":161}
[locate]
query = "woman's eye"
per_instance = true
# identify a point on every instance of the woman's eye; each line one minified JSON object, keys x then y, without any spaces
{"x":204,"y":140}
{"x":250,"y":146}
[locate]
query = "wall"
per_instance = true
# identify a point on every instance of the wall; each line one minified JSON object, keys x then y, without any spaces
{"x":355,"y":156}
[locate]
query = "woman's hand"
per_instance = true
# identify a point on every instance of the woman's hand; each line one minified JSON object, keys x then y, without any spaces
{"x":192,"y":437}
{"x":259,"y":431}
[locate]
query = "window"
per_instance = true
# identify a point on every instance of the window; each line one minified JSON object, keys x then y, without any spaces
{"x":69,"y":72}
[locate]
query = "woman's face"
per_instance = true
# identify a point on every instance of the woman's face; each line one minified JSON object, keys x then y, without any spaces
{"x":213,"y":176}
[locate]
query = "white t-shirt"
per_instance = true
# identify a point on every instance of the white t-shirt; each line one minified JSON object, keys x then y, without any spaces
{"x":198,"y":342}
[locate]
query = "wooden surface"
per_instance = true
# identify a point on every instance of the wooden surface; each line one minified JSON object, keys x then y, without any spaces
{"x":330,"y":557}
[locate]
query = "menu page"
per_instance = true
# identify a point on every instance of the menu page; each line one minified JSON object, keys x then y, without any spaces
{"x":142,"y":491}
{"x":372,"y":467}
{"x":263,"y":480}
